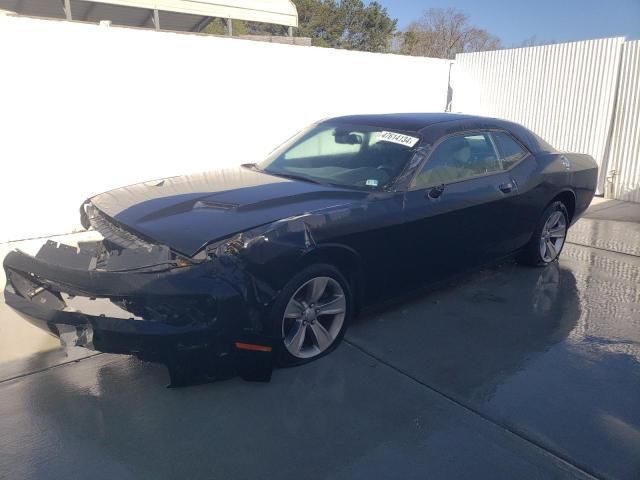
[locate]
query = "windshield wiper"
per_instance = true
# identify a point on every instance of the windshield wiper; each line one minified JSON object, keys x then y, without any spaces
{"x":293,"y":176}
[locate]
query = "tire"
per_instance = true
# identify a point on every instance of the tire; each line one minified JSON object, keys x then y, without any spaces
{"x":548,"y":239}
{"x":293,"y":316}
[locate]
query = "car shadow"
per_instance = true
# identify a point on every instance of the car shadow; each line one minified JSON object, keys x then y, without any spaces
{"x":468,"y":334}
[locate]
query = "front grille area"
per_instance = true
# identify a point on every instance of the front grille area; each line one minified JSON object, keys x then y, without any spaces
{"x":113,"y":233}
{"x":180,"y":310}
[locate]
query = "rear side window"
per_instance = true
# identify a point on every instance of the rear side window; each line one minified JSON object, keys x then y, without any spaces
{"x":510,"y":150}
{"x":457,"y":158}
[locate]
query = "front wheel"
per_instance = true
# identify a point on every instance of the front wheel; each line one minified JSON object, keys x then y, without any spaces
{"x":311,"y":314}
{"x":549,"y":238}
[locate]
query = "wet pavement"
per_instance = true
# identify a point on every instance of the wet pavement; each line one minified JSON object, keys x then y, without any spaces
{"x":23,"y":347}
{"x":509,"y":372}
{"x":551,"y":355}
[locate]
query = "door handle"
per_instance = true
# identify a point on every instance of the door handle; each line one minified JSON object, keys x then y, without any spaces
{"x":508,"y":187}
{"x":435,"y":192}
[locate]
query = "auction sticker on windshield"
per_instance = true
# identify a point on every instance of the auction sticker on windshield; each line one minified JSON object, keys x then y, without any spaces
{"x":405,"y":140}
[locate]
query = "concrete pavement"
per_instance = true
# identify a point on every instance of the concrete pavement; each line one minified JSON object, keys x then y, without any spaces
{"x":505,"y":373}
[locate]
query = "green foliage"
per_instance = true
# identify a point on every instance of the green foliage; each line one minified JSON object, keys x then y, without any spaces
{"x":218,"y":26}
{"x":352,"y":25}
{"x":317,"y":19}
{"x":367,"y":28}
{"x":348,"y":24}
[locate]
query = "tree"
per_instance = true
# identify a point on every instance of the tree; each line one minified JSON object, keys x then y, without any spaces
{"x":366,"y":28}
{"x":348,"y":24}
{"x":442,"y":33}
{"x":318,"y":20}
{"x":218,"y":26}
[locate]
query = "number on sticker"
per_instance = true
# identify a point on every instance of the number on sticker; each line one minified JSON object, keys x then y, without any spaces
{"x":398,"y":138}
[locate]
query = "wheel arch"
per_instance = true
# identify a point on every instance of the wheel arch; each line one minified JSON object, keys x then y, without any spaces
{"x":568,"y":198}
{"x":346,"y":260}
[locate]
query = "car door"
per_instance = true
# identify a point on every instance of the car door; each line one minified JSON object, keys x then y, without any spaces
{"x":454,"y":209}
{"x":522,"y":208}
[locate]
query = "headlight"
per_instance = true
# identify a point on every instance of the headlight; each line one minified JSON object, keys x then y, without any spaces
{"x":181,"y":262}
{"x":233,"y":245}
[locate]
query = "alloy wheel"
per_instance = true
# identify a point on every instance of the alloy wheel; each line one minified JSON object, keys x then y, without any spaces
{"x":314,"y":317}
{"x":553,"y":236}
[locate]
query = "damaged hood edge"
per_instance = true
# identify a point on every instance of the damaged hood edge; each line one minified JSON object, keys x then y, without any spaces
{"x":187,"y":213}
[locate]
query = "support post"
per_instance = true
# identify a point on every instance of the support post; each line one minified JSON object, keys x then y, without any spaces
{"x":229,"y":27}
{"x":66,"y":5}
{"x":156,"y":19}
{"x":201,"y":24}
{"x":291,"y":31}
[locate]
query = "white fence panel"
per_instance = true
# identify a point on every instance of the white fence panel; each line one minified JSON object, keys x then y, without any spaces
{"x":84,"y":108}
{"x":563,"y":92}
{"x":624,"y":155}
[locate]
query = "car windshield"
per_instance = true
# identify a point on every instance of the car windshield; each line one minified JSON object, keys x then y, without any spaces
{"x":355,"y":156}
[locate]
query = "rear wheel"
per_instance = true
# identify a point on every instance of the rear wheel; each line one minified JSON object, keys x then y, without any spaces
{"x":311,"y":314}
{"x":549,"y":238}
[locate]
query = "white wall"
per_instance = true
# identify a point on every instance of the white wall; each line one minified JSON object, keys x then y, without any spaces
{"x":623,"y":166}
{"x":84,"y":108}
{"x":564,"y":92}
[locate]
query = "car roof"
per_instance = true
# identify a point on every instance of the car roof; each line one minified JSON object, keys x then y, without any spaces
{"x":439,"y":124}
{"x":401,"y":121}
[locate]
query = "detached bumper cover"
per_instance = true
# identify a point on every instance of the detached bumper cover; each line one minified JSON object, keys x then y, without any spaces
{"x":168,"y":315}
{"x":112,"y":335}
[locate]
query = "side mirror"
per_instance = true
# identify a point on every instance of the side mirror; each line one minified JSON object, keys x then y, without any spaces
{"x":435,"y":192}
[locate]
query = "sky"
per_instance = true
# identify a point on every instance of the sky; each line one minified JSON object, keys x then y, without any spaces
{"x":549,"y":20}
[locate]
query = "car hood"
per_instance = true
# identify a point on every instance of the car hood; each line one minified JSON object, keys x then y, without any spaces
{"x":187,"y":212}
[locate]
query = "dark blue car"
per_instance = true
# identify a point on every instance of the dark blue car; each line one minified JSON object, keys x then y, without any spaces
{"x":237,"y":268}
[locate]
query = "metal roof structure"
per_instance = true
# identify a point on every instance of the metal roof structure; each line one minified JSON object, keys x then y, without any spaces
{"x":177,"y":15}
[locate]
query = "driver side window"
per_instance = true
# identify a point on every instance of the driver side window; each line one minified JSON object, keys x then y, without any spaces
{"x":457,"y":158}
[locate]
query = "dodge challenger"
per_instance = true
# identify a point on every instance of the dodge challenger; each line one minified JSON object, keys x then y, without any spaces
{"x":265,"y":264}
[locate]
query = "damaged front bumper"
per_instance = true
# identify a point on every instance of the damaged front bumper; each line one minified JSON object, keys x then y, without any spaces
{"x":193,"y":318}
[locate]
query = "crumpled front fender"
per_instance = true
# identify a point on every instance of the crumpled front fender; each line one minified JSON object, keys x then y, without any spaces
{"x":190,"y":316}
